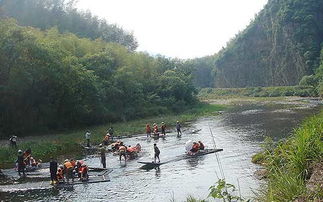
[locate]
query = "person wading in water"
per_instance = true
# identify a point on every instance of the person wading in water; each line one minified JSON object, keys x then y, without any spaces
{"x":53,"y":170}
{"x":122,"y":151}
{"x":157,"y":152}
{"x":178,"y":128}
{"x":102,"y":153}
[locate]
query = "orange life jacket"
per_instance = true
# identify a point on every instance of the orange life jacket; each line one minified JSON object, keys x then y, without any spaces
{"x":68,"y":165}
{"x":148,"y":130}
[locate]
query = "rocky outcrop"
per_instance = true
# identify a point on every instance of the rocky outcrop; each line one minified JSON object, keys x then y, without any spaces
{"x":315,"y":183}
{"x":279,"y":47}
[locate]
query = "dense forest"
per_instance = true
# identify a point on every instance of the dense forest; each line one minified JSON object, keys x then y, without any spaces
{"x":64,"y":68}
{"x":64,"y":15}
{"x":52,"y":79}
{"x":280,"y":47}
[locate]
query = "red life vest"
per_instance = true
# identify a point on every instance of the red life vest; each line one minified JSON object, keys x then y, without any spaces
{"x":155,"y":129}
{"x":60,"y":173}
{"x":83,"y":169}
{"x":148,"y":130}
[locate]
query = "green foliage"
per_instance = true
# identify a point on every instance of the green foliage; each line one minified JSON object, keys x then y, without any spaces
{"x":203,"y":70}
{"x":52,"y":81}
{"x":278,"y":48}
{"x":224,"y":191}
{"x":319,"y":76}
{"x":69,"y":142}
{"x":192,"y":199}
{"x":64,"y":15}
{"x":310,"y":80}
{"x":289,"y":162}
{"x":303,"y":91}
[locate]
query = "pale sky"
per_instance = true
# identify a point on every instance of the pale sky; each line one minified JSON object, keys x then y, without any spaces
{"x":178,"y":28}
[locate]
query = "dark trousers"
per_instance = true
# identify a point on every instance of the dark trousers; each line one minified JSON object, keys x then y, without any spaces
{"x":103,"y":161}
{"x":53,"y":176}
{"x":13,"y":144}
{"x":163,"y":132}
{"x":88,"y":142}
{"x":21,"y":168}
{"x":156,"y":156}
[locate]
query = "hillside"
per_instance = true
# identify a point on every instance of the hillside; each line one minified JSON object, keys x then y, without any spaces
{"x":52,"y":81}
{"x":279,"y":47}
{"x":64,"y":15}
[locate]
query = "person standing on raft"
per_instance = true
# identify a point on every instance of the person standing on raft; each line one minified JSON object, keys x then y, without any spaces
{"x":87,"y":138}
{"x":53,"y":171}
{"x":21,"y":163}
{"x":102,"y":154}
{"x":148,"y":130}
{"x":111,"y":131}
{"x":13,"y":141}
{"x":155,"y":129}
{"x":157,"y":152}
{"x":68,"y":170}
{"x":122,"y":151}
{"x":163,"y":128}
{"x":178,"y":128}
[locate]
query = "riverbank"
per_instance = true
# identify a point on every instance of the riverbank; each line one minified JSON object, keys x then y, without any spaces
{"x":70,"y":142}
{"x":292,"y":166}
{"x":274,"y":91}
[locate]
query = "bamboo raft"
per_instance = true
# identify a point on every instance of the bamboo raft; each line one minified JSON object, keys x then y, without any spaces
{"x":40,"y":180}
{"x":151,"y":165}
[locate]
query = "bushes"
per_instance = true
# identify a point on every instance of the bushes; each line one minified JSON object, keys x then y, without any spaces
{"x":289,"y":162}
{"x":69,"y":143}
{"x":51,"y":81}
{"x":303,"y":91}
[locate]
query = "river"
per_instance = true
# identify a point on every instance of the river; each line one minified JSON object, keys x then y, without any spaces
{"x":239,"y":131}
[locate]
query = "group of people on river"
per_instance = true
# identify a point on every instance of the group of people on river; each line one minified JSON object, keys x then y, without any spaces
{"x":25,"y":161}
{"x":194,"y":147}
{"x":155,"y":130}
{"x":118,"y":148}
{"x":70,"y":169}
{"x":108,"y":137}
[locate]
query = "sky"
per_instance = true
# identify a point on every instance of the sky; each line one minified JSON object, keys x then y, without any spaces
{"x":178,"y":28}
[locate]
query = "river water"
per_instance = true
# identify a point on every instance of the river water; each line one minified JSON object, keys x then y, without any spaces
{"x":239,"y":132}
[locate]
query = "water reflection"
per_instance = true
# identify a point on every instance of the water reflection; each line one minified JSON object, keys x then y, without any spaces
{"x":157,"y":172}
{"x":239,"y":132}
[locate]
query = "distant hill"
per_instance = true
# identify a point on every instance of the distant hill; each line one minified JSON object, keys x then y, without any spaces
{"x":63,"y":14}
{"x":279,"y":47}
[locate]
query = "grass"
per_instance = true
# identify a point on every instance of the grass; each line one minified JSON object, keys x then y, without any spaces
{"x":289,"y":163}
{"x":278,"y":91}
{"x":69,"y":142}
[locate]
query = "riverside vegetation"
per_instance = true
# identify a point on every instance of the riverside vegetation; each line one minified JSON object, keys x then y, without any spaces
{"x":52,"y":81}
{"x":70,"y":142}
{"x":62,"y":69}
{"x":289,"y":163}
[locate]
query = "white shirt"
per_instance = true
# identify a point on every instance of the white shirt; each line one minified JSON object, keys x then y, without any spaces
{"x":87,"y":135}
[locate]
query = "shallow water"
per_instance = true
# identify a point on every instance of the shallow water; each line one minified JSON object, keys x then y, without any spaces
{"x":239,"y":132}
